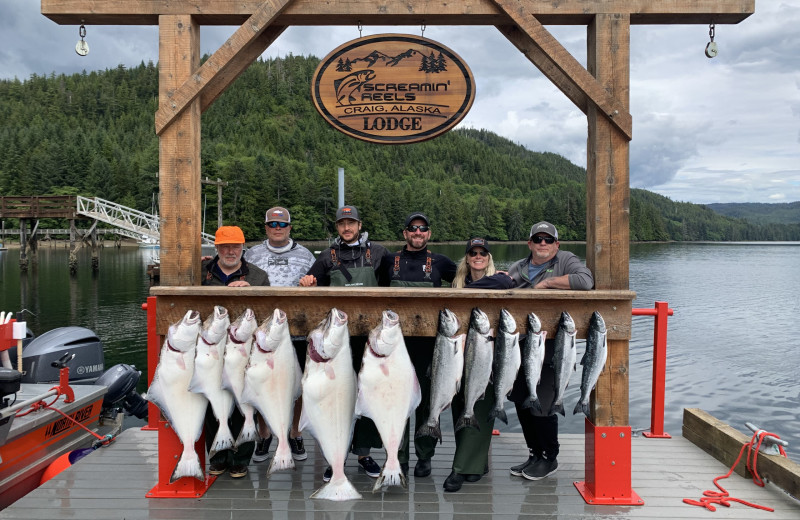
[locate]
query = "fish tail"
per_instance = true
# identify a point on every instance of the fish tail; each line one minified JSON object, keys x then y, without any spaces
{"x":188,"y":466}
{"x":581,"y":406}
{"x":558,"y":407}
{"x":391,"y":475}
{"x":247,"y":434}
{"x":498,"y":413}
{"x":426,"y":430}
{"x":464,"y":422}
{"x":281,"y":462}
{"x":337,"y":490}
{"x":533,"y":403}
{"x":223,"y":440}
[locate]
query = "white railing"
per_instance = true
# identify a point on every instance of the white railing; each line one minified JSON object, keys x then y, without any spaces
{"x":140,"y":224}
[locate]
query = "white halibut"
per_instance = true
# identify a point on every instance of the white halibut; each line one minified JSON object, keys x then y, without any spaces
{"x":207,"y":378}
{"x":388,"y":392}
{"x":272,"y":383}
{"x":169,"y":391}
{"x":329,"y":400}
{"x":237,"y":355}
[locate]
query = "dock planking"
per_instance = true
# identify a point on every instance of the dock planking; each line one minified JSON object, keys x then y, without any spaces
{"x":113,"y":481}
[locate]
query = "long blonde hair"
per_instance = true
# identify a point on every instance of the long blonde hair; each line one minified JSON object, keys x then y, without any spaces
{"x":463,"y":270}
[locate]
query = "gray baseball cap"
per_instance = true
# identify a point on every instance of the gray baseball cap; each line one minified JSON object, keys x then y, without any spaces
{"x":347,"y":212}
{"x":544,"y":227}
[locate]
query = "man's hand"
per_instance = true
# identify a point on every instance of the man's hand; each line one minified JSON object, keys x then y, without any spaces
{"x":239,"y":283}
{"x":308,"y":280}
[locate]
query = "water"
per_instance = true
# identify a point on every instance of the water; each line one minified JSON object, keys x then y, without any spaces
{"x":732,"y":342}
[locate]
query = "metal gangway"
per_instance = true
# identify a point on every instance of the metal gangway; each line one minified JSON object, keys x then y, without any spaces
{"x":131,"y":222}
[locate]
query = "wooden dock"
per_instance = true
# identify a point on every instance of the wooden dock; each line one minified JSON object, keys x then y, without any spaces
{"x":112,"y":482}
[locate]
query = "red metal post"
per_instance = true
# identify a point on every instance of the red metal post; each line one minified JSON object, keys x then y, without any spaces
{"x":662,"y":310}
{"x":169,"y":445}
{"x":608,"y":467}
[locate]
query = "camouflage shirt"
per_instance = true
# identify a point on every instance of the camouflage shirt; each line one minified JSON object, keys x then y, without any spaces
{"x":284,"y":265}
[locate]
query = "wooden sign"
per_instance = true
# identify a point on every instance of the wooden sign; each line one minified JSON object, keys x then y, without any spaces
{"x":393,"y":88}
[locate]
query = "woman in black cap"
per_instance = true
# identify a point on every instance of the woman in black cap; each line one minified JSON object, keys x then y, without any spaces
{"x":470,"y":461}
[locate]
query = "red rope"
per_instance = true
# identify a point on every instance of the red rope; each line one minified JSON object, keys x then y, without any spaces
{"x":722,"y":497}
{"x":41,"y":404}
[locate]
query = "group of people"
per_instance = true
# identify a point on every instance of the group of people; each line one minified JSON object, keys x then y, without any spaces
{"x":353,"y":260}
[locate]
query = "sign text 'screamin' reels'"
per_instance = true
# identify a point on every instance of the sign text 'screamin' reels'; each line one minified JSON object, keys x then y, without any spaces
{"x":393,"y":88}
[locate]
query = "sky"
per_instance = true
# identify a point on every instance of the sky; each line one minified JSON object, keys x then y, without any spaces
{"x":705,"y":130}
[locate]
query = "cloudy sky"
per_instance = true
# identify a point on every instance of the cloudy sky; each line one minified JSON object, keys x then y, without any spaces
{"x":705,"y":130}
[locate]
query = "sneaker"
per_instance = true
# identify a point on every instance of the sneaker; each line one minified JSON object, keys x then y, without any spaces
{"x":540,"y":469}
{"x":217,"y":468}
{"x":238,"y":471}
{"x":328,"y":475}
{"x":453,"y":482}
{"x":423,"y":468}
{"x":298,"y":450}
{"x":262,"y":450}
{"x":517,"y":470}
{"x":370,"y":466}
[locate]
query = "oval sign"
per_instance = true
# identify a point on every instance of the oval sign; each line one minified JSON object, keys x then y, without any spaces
{"x":393,"y":88}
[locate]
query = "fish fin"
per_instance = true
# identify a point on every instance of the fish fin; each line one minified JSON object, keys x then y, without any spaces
{"x":188,"y":466}
{"x":329,"y":372}
{"x":215,"y":353}
{"x":390,"y":477}
{"x":427,"y":430}
{"x":181,"y":362}
{"x":467,"y":422}
{"x":557,"y":408}
{"x":580,"y":406}
{"x":282,"y":458}
{"x":223,"y":440}
{"x":337,"y":490}
{"x":247,"y":434}
{"x":498,"y":414}
{"x":533,"y":404}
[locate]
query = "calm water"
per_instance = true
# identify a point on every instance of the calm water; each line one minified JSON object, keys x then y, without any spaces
{"x":732,"y":343}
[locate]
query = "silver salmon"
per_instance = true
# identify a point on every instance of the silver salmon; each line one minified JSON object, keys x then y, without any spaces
{"x":593,"y":361}
{"x":564,"y":358}
{"x":169,"y":391}
{"x":447,"y":367}
{"x":532,"y":360}
{"x":507,"y":359}
{"x":329,"y":400}
{"x":207,"y":377}
{"x":237,"y":355}
{"x":272,"y":383}
{"x":388,"y":392}
{"x":478,"y":357}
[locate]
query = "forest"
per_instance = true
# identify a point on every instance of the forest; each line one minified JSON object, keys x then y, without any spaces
{"x":92,"y":134}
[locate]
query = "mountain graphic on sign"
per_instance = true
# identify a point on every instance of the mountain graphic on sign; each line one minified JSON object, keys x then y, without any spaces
{"x":431,"y":63}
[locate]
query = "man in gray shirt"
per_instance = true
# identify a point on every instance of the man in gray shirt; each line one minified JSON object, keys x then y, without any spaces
{"x":285,"y":261}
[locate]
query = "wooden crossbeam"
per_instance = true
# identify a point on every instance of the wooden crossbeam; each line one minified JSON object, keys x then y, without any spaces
{"x":561,"y":67}
{"x":225,"y":64}
{"x":408,"y":12}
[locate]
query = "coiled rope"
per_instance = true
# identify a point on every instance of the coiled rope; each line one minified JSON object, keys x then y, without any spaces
{"x":722,"y":497}
{"x":103,"y":440}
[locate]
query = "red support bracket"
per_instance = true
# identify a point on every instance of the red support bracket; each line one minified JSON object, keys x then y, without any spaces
{"x":658,"y":395}
{"x":608,"y":467}
{"x":169,"y":445}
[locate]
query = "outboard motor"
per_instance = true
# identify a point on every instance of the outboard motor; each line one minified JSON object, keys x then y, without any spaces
{"x":41,"y":352}
{"x":121,"y":381}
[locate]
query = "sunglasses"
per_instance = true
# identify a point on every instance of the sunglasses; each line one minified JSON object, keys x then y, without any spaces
{"x":474,"y":253}
{"x":540,"y":239}
{"x":415,"y":227}
{"x":274,"y":225}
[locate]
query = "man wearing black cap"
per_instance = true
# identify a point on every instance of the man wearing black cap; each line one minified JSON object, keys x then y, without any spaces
{"x":352,"y":261}
{"x":545,"y":268}
{"x":416,"y":266}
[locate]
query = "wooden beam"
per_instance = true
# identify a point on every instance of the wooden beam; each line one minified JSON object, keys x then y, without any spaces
{"x":179,"y":155}
{"x":418,"y":308}
{"x":228,"y":62}
{"x":408,"y":12}
{"x":724,"y":443}
{"x":572,"y":74}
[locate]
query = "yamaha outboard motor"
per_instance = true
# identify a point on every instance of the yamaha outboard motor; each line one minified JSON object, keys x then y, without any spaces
{"x":41,"y":352}
{"x":121,"y":382}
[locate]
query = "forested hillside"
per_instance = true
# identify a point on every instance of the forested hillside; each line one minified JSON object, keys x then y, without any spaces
{"x":760,"y":213}
{"x":93,"y":134}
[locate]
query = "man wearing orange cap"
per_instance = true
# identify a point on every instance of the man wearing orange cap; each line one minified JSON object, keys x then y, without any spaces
{"x":229,"y":268}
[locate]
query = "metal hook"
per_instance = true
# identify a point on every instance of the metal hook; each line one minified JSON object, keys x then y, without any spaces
{"x":711,"y":48}
{"x":359,"y":29}
{"x":82,"y":48}
{"x":423,"y":29}
{"x":82,"y":31}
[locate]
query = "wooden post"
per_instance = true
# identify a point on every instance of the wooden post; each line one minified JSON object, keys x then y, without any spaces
{"x":608,"y":200}
{"x":23,"y":245}
{"x":179,"y":154}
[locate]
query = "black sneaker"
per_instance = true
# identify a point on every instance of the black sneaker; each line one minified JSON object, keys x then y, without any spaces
{"x":238,"y":471}
{"x":370,"y":466}
{"x":298,"y":450}
{"x":217,"y":468}
{"x":517,"y":470}
{"x":326,"y":477}
{"x":540,"y":469}
{"x":262,"y":450}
